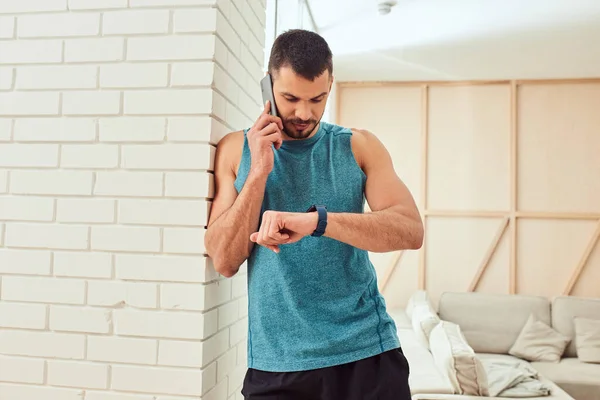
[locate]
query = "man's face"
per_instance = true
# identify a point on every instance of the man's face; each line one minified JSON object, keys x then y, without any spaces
{"x":300,"y":102}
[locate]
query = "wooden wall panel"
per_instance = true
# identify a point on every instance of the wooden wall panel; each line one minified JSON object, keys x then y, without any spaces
{"x":454,"y":251}
{"x":588,"y":284}
{"x":548,"y":251}
{"x":495,"y":278}
{"x":468,"y":147}
{"x":559,"y":148}
{"x":394,"y":115}
{"x":506,"y":175}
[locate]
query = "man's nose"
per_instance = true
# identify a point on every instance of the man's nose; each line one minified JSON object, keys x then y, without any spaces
{"x":303,"y":111}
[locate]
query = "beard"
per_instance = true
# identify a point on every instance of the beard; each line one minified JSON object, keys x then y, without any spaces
{"x":291,"y":130}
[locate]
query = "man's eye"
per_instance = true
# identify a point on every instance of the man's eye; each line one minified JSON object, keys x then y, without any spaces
{"x":316,"y":101}
{"x":291,"y":100}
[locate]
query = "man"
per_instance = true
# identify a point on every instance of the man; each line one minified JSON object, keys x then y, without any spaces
{"x":289,"y":198}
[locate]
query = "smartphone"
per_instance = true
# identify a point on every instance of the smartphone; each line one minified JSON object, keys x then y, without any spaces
{"x":266,"y":86}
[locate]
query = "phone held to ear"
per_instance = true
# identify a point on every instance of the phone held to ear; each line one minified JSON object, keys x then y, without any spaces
{"x":266,"y":86}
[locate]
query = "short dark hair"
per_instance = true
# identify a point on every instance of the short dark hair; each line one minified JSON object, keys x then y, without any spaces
{"x":306,"y":52}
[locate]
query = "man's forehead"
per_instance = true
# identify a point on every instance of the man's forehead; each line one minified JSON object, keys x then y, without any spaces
{"x":291,"y":83}
{"x":286,"y":73}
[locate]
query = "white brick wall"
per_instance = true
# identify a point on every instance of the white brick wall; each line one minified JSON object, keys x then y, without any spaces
{"x":109,"y":114}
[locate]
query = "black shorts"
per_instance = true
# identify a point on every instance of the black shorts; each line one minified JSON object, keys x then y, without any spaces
{"x":381,"y":377}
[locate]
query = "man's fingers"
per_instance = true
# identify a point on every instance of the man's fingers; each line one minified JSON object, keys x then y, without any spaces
{"x":264,"y":229}
{"x":273,"y":233}
{"x":269,"y":129}
{"x":274,"y":138}
{"x":266,"y":119}
{"x":268,"y":234}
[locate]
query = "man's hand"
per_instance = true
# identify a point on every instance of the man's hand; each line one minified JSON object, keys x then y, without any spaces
{"x":263,"y":136}
{"x":279,"y":228}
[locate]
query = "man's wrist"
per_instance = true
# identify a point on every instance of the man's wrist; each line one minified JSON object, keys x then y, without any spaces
{"x":319,"y":215}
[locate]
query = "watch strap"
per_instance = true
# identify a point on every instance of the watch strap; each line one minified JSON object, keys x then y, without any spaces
{"x":322,"y":222}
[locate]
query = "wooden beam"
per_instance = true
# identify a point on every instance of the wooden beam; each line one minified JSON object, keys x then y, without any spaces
{"x":514,"y":174}
{"x":420,"y":83}
{"x":556,"y":215}
{"x":466,"y":213}
{"x":488,"y":255}
{"x":424,"y":152}
{"x":467,"y":82}
{"x":583,"y":261}
{"x":390,"y":270}
{"x":553,"y":81}
{"x":517,"y":214}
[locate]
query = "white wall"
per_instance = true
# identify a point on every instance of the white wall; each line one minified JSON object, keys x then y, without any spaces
{"x":109,"y":113}
{"x":281,"y":16}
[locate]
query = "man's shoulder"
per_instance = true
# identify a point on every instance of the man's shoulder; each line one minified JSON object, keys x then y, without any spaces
{"x":362,"y":134}
{"x":360,"y":138}
{"x":230,"y":149}
{"x":232,"y":139}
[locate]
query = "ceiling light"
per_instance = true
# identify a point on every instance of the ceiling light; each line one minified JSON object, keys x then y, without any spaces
{"x":385,"y":6}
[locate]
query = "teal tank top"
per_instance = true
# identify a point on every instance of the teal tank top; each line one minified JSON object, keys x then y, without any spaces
{"x":316,"y":303}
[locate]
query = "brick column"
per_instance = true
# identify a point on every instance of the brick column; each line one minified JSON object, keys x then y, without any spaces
{"x":109,"y":114}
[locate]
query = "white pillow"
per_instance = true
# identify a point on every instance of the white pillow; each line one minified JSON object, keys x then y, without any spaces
{"x":457,"y":360}
{"x":418,"y":297}
{"x":423,"y":320}
{"x":587,"y":339}
{"x":539,"y":342}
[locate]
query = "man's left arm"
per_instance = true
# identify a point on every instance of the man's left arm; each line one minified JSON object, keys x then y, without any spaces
{"x":394,"y":222}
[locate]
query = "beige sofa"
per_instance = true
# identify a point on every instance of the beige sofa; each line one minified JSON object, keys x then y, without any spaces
{"x":456,"y":351}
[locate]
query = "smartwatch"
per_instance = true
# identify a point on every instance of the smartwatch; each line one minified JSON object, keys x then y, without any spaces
{"x":322,"y":224}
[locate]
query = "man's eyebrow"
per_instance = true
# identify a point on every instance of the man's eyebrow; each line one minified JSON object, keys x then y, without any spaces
{"x":291,"y":95}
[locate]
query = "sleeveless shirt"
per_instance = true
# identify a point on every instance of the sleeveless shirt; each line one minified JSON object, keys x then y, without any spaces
{"x":316,"y":303}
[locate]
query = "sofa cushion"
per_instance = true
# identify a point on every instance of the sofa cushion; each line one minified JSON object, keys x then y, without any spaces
{"x":457,"y":360}
{"x":539,"y":342}
{"x":581,"y":380}
{"x":564,"y":309}
{"x":424,"y":319}
{"x":418,"y":297}
{"x":424,"y":376}
{"x":587,"y":339}
{"x":492,"y":322}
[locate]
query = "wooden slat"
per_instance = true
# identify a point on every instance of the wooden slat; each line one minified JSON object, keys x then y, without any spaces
{"x":390,"y":270}
{"x":420,"y":83}
{"x":467,"y":82}
{"x":517,"y":214}
{"x":466,"y":213}
{"x":424,"y":150}
{"x":488,"y":255}
{"x":556,"y":215}
{"x":583,"y":261}
{"x":555,"y":81}
{"x":514,"y":174}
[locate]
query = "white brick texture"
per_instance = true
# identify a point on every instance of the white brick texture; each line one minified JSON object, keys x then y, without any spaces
{"x":110,"y":111}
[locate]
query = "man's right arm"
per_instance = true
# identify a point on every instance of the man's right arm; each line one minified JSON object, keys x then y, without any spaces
{"x":233,"y":218}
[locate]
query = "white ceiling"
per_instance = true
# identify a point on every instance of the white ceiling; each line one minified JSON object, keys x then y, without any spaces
{"x":461,"y":39}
